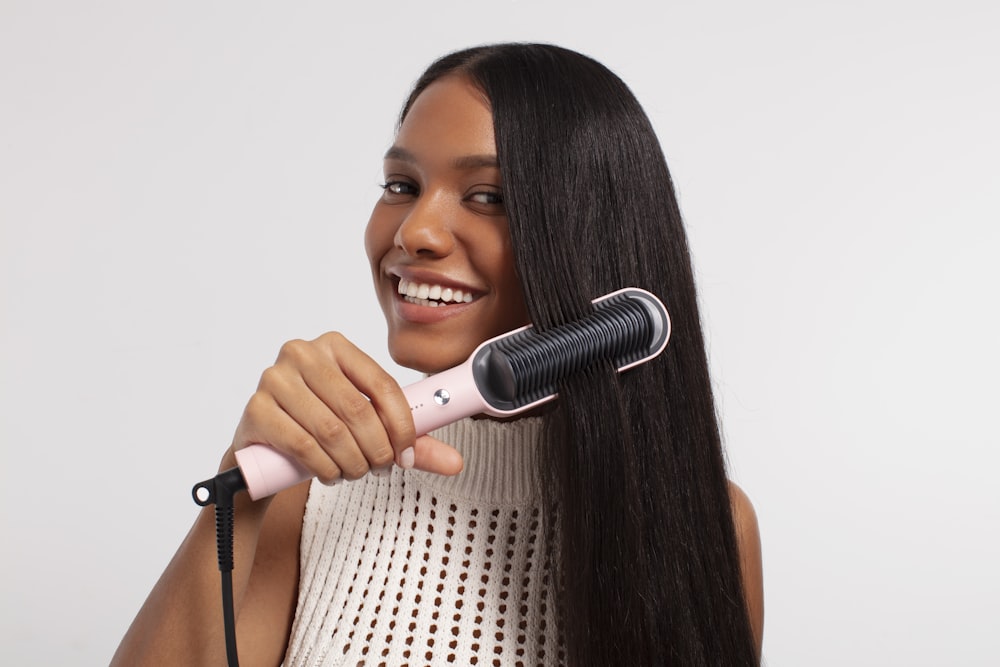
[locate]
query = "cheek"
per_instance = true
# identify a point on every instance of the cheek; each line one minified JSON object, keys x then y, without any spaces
{"x":498,"y":255}
{"x":492,"y":249}
{"x":503,"y":250}
{"x":378,"y":238}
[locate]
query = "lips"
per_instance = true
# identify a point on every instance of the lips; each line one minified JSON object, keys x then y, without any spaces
{"x":432,"y":295}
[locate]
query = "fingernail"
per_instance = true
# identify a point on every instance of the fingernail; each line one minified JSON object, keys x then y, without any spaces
{"x":406,"y":458}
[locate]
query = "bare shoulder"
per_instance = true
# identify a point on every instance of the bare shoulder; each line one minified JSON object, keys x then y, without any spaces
{"x":751,"y":565}
{"x":743,"y":511}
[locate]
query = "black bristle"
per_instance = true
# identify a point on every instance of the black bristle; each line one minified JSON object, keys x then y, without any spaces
{"x":619,"y":330}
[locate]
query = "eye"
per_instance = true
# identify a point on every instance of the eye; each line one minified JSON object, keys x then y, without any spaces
{"x":395,"y":189}
{"x":487,"y":199}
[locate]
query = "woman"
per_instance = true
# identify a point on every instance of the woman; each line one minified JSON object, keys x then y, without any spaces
{"x":524,"y":181}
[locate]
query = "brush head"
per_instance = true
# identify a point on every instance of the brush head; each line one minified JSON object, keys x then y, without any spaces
{"x":524,"y":368}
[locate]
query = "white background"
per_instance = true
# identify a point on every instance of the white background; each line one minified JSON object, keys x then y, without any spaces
{"x":183,"y":187}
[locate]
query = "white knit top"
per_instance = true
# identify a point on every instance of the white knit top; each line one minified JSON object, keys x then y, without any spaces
{"x":417,"y":569}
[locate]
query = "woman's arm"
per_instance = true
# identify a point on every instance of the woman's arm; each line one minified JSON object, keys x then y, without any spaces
{"x":748,"y":534}
{"x":336,"y":411}
{"x":181,"y":620}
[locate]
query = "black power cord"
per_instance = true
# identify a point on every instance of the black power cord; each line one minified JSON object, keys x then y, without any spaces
{"x":220,"y":491}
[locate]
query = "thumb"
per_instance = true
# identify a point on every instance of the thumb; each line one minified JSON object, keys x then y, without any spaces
{"x":431,"y":455}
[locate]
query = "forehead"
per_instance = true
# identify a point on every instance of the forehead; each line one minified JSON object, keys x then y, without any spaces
{"x":450,"y":118}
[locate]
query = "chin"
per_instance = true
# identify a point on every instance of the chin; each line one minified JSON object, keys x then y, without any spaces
{"x":422,"y":363}
{"x":427,"y":356}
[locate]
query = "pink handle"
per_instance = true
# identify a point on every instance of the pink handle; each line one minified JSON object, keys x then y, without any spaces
{"x":267,"y":471}
{"x":444,"y":398}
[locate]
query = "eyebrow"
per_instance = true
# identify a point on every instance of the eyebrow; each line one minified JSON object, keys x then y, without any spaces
{"x":464,"y":162}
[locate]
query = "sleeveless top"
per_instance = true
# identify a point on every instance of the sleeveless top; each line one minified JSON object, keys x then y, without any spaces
{"x":413,"y":568}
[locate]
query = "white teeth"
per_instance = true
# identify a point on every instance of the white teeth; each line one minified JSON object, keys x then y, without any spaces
{"x":424,"y":302}
{"x":431,"y":295}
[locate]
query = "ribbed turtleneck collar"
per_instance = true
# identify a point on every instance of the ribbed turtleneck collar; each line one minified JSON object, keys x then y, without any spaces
{"x":500,"y":461}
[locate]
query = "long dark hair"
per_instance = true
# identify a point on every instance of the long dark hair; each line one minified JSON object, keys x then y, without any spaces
{"x":648,"y":560}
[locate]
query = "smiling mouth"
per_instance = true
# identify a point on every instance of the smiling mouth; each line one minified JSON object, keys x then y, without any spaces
{"x":424,"y":294}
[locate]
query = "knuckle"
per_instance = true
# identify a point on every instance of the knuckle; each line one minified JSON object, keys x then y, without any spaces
{"x":268,"y":379}
{"x":258,"y":405}
{"x":332,"y":341}
{"x":329,"y":429}
{"x":404,"y":430}
{"x":356,"y":407}
{"x":383,"y":383}
{"x":355,"y":469}
{"x":381,"y":457}
{"x":333,"y":338}
{"x":330,"y":474}
{"x":300,"y":447}
{"x":293,"y":349}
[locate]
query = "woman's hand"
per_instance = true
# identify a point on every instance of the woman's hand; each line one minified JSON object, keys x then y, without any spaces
{"x":330,"y":406}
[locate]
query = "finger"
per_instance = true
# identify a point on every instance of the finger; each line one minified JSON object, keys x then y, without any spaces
{"x":312,"y":387}
{"x":348,"y":420}
{"x":382,"y":390}
{"x":329,"y":430}
{"x":266,"y":422}
{"x":433,"y":455}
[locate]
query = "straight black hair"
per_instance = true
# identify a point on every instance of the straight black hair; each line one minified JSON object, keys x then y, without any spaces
{"x":644,"y":541}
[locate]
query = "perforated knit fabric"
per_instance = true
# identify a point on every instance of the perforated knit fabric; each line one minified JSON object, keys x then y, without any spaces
{"x":418,"y":569}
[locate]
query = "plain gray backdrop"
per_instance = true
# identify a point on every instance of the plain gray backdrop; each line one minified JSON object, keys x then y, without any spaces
{"x":184,"y":186}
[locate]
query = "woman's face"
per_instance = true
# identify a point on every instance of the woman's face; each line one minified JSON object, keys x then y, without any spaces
{"x":438,"y":240}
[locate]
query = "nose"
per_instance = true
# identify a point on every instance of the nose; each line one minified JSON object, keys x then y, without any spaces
{"x":425,"y":230}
